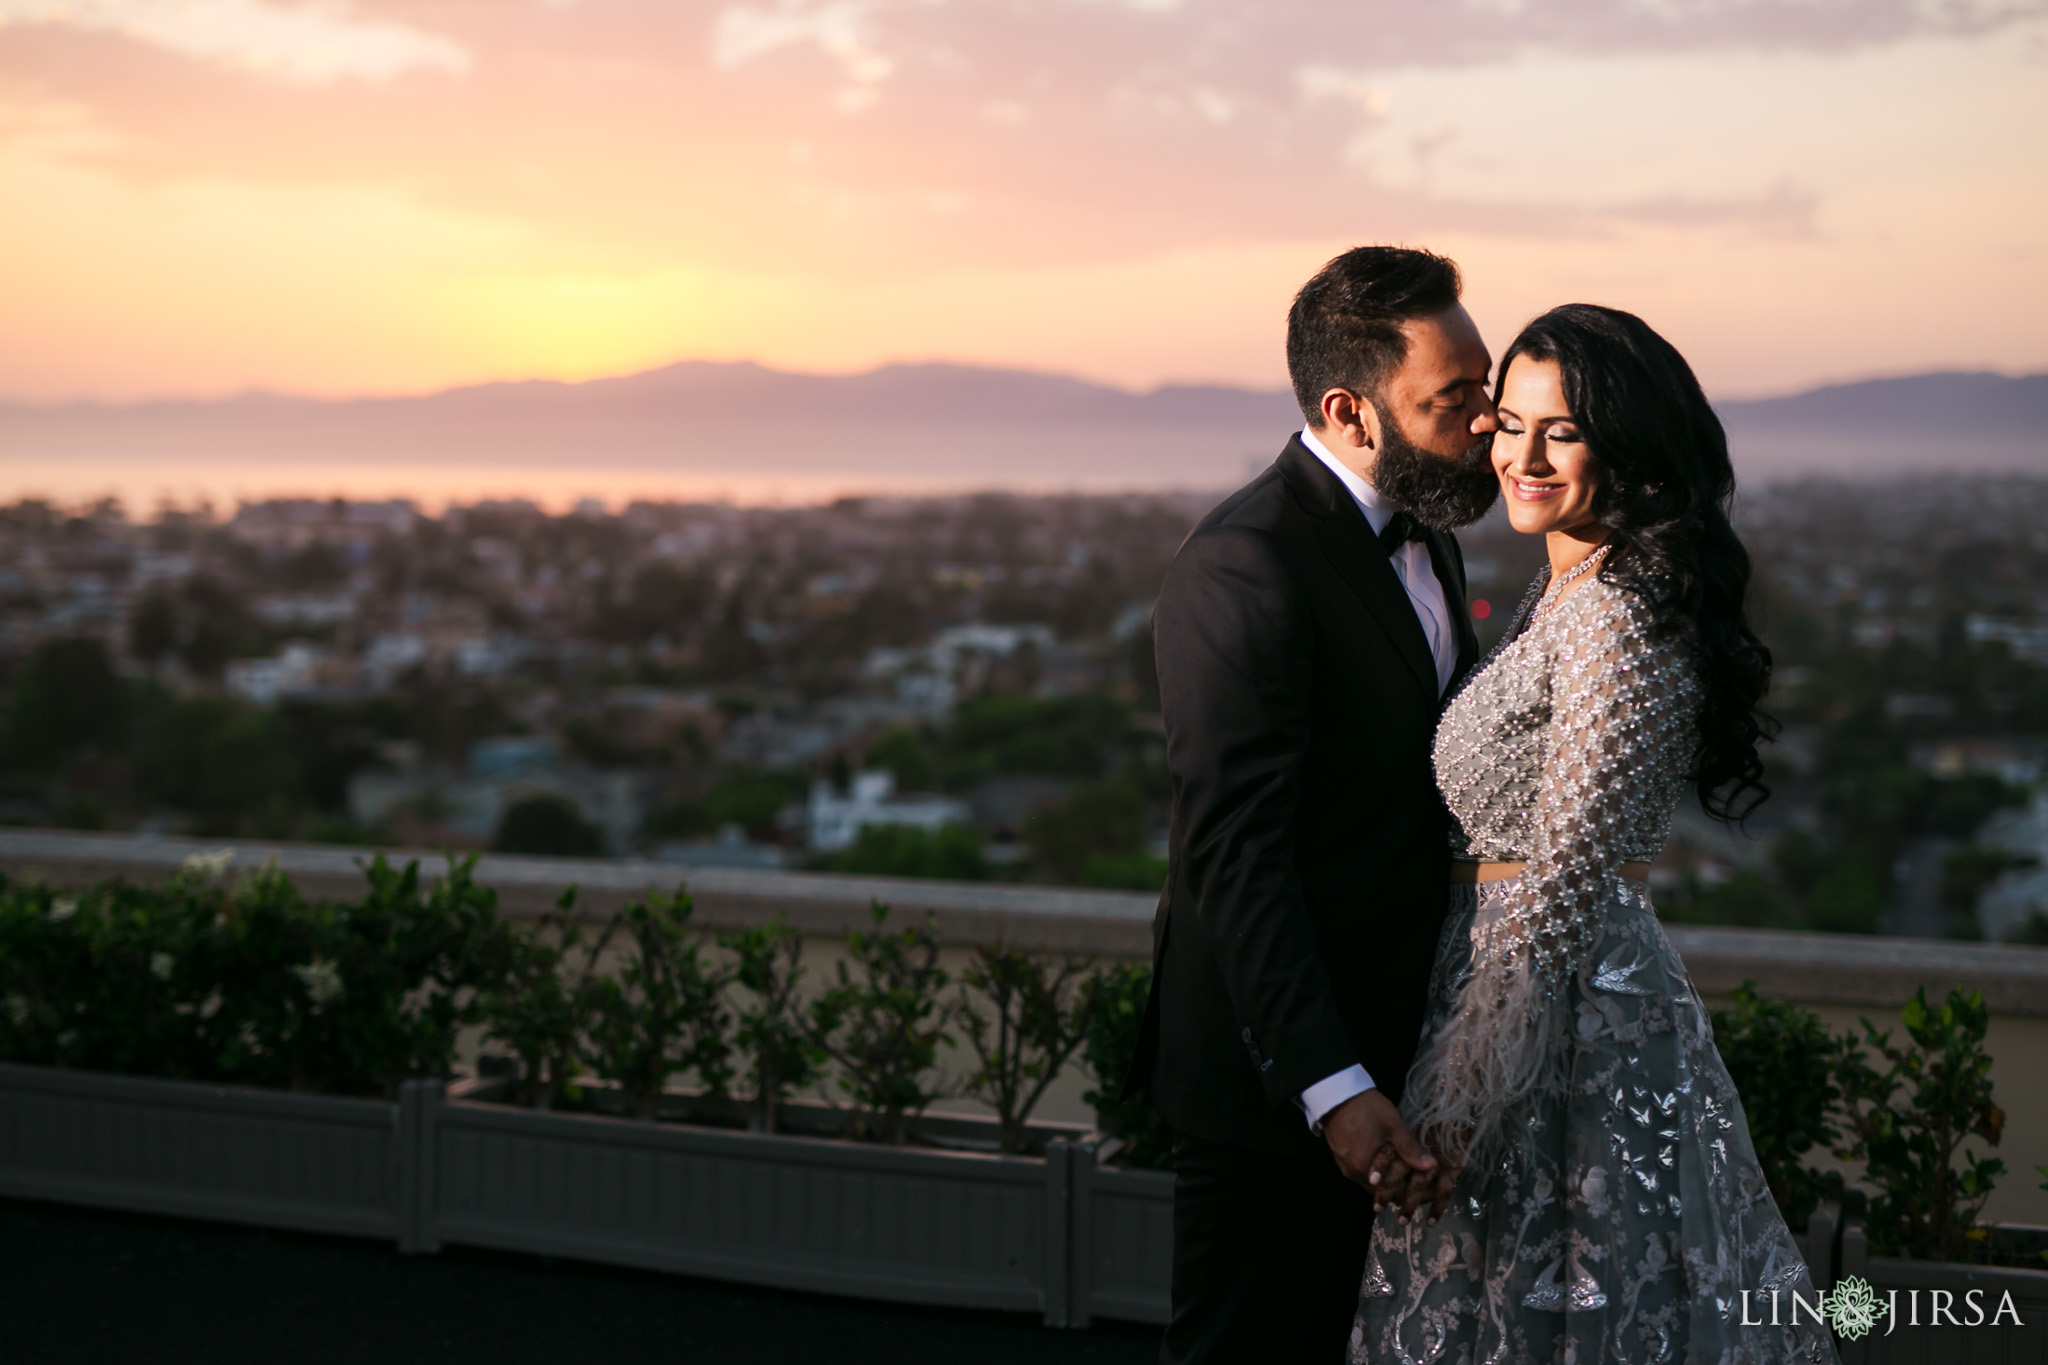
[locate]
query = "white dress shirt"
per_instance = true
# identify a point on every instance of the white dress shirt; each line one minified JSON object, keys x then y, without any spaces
{"x":1426,"y":595}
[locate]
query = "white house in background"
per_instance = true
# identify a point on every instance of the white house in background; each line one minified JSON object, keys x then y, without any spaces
{"x":489,"y":655}
{"x":836,"y":820}
{"x":927,"y":678}
{"x":2027,"y":639}
{"x":263,"y":681}
{"x":1130,"y":621}
{"x":307,"y":609}
{"x":150,"y":566}
{"x":390,"y":655}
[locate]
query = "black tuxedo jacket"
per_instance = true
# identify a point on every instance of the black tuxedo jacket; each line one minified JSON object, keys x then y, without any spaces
{"x":1308,"y":852}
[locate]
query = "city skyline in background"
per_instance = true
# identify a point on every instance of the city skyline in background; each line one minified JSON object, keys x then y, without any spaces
{"x":396,"y":197}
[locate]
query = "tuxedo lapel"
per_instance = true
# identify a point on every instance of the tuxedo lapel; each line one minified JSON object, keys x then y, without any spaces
{"x":1449,"y":562}
{"x":1348,"y":544}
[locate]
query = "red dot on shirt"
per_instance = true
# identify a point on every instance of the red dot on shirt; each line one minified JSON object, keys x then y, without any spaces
{"x":1481,"y":609}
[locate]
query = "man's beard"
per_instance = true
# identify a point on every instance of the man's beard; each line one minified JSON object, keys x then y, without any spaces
{"x":1443,"y":492}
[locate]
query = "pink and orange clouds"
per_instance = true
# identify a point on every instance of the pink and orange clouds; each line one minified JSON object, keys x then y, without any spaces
{"x":198,"y":196}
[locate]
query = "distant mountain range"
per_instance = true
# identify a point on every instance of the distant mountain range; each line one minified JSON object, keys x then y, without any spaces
{"x":1923,"y":423}
{"x":901,"y":426}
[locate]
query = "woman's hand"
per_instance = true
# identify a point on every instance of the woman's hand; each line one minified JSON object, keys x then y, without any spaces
{"x":1394,"y":1180}
{"x":1371,"y":1143}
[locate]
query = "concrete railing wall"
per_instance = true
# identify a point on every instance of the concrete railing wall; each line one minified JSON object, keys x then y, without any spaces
{"x":1844,"y":976}
{"x":1037,"y":918}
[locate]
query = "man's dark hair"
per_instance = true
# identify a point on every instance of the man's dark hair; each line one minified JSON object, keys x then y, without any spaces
{"x":1344,"y":330}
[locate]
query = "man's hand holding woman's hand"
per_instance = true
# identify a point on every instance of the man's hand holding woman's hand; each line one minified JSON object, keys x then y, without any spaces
{"x":1374,"y":1148}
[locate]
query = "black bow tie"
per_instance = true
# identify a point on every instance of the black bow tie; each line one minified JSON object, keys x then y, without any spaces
{"x":1400,"y":529}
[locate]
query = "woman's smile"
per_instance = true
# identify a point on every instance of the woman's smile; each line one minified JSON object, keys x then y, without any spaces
{"x":1541,"y":458}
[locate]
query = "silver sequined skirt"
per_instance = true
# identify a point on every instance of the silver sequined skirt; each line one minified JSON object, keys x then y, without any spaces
{"x":1628,"y":1217}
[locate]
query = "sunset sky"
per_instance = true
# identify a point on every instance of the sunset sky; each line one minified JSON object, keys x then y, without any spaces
{"x":203,"y":196}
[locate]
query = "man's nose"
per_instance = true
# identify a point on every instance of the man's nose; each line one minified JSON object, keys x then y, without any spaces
{"x":1488,"y":420}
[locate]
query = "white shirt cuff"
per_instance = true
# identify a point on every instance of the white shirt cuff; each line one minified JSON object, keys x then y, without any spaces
{"x":1326,"y":1094}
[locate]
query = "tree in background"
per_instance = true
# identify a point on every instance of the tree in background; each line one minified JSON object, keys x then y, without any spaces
{"x":65,"y":698}
{"x":332,"y":741}
{"x":1142,"y":664}
{"x":231,"y":766}
{"x":1085,"y":736}
{"x":447,"y":714}
{"x":230,"y":763}
{"x":153,"y":628}
{"x":1095,"y":827}
{"x":948,"y":853}
{"x":547,"y":825}
{"x":753,"y":801}
{"x":906,"y":756}
{"x":204,"y":622}
{"x":664,"y":600}
{"x":730,"y":652}
{"x":1965,"y":874}
{"x":1849,"y":898}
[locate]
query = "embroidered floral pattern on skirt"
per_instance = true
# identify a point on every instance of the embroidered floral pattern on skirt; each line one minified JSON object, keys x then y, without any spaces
{"x":1628,"y":1217}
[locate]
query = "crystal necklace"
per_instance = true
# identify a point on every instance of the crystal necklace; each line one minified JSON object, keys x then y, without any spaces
{"x":1587,"y":565}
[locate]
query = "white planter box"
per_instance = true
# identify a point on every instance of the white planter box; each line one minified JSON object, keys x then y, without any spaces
{"x":941,"y":1224}
{"x":1055,"y":1234}
{"x":915,"y":1225}
{"x":1123,"y":1242}
{"x":308,"y":1162}
{"x":1917,"y":1283}
{"x":1820,"y":1244}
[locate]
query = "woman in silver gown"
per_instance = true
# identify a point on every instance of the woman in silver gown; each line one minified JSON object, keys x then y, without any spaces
{"x":1607,"y":1205}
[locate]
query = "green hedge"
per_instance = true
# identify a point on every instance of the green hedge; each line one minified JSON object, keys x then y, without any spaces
{"x":239,"y":979}
{"x":244,"y":981}
{"x":1900,"y":1112}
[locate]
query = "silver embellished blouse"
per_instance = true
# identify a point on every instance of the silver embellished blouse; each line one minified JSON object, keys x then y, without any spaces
{"x":1568,"y":750}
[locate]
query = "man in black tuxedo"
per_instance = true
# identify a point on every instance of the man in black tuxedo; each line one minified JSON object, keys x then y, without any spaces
{"x":1306,"y":635}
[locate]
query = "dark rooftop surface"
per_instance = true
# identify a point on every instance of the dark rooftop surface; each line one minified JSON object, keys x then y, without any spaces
{"x":78,"y":1285}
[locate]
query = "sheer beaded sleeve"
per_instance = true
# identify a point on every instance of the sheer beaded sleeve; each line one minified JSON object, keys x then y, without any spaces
{"x":1621,"y":734}
{"x":1610,"y":714}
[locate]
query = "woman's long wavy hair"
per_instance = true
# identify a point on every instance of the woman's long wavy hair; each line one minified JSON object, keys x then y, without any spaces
{"x":1666,"y":486}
